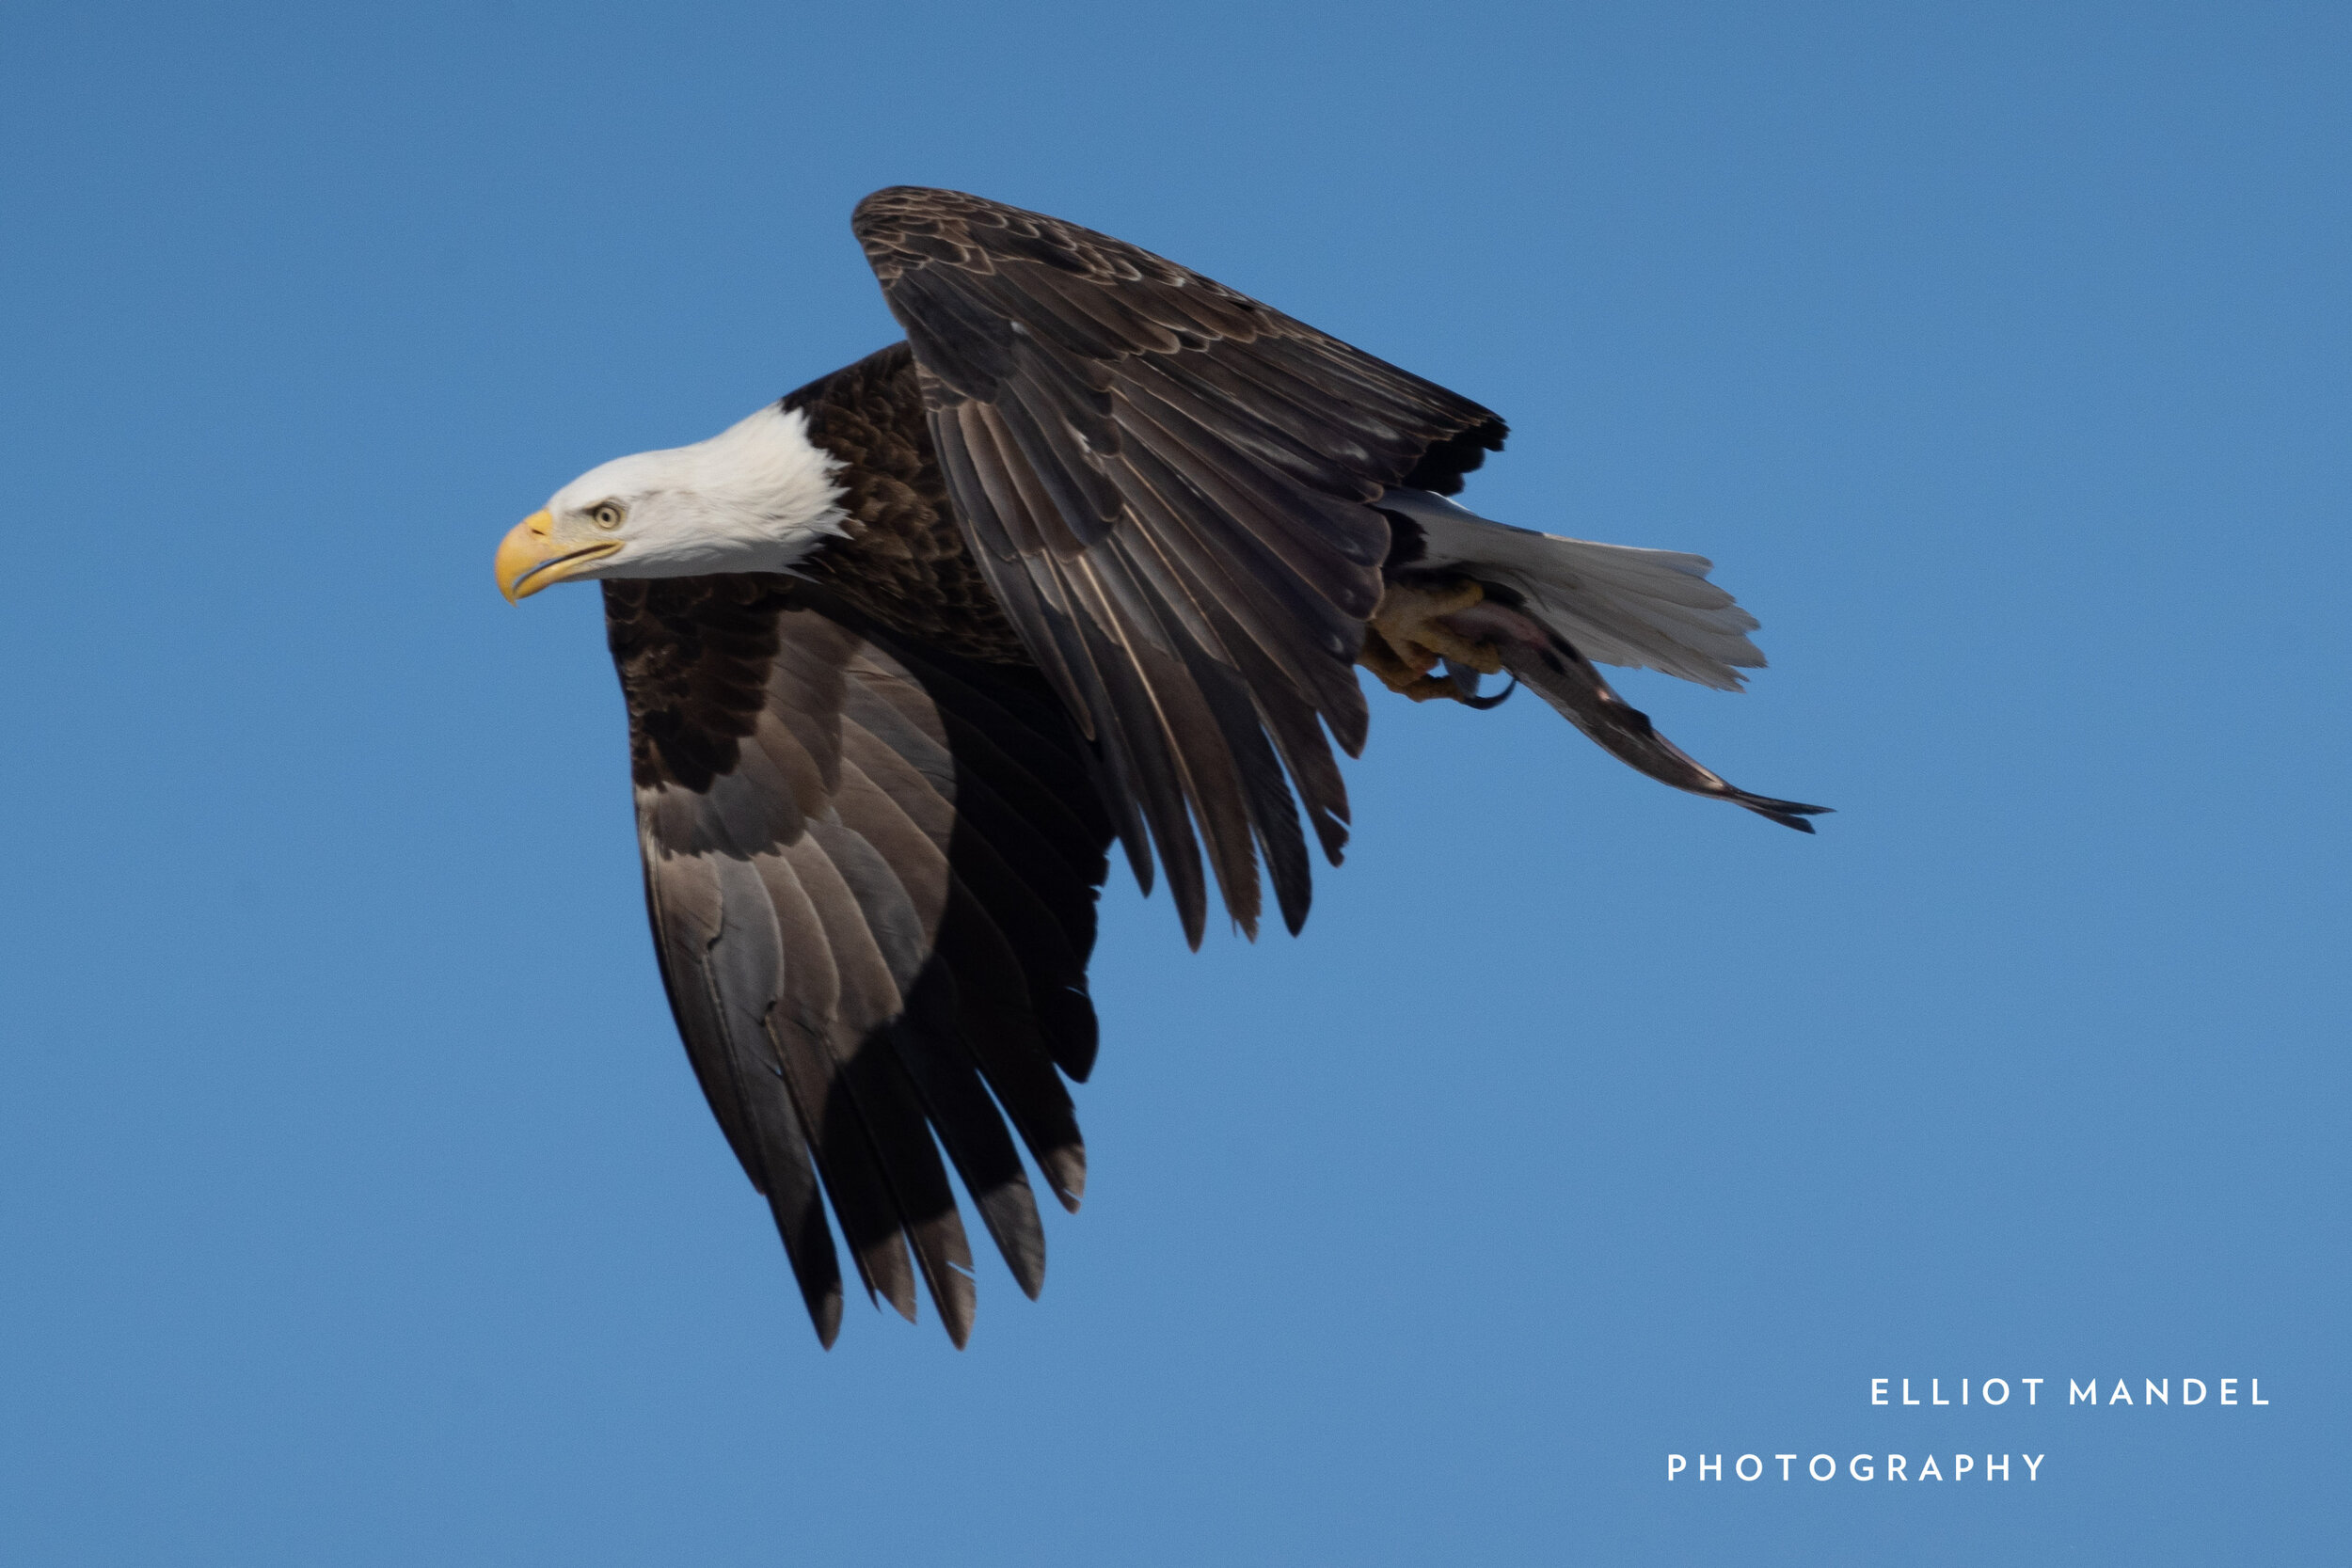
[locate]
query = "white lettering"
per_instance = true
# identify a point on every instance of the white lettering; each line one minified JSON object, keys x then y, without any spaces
{"x":1935,"y":1391}
{"x":1964,"y":1390}
{"x":2254,"y":1387}
{"x":2200,"y":1390}
{"x":1963,"y":1464}
{"x":2229,"y":1390}
{"x":1877,"y":1390}
{"x":1894,"y":1464}
{"x":1907,"y":1398}
{"x":2033,"y":1389}
{"x":1856,"y":1468}
{"x":1784,"y":1459}
{"x":1814,"y":1467}
{"x":1985,"y":1390}
{"x":1674,"y":1465}
{"x":2155,"y":1392}
{"x":1927,"y":1470}
{"x":1988,"y":1466}
{"x":2121,"y":1394}
{"x":1740,"y":1466}
{"x":2033,"y":1463}
{"x":1715,"y":1465}
{"x":2090,"y":1393}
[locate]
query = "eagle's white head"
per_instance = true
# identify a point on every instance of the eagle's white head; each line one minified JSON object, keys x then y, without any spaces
{"x":755,"y":498}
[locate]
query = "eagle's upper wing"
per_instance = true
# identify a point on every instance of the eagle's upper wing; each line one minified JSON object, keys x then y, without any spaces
{"x":871,"y":871}
{"x":1165,"y":484}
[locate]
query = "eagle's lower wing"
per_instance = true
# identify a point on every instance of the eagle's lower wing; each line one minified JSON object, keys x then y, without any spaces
{"x":1165,"y":484}
{"x":871,"y":871}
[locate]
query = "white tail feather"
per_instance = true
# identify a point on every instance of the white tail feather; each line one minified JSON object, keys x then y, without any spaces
{"x":1614,"y":604}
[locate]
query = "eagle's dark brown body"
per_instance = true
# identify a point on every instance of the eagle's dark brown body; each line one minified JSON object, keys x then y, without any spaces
{"x":905,"y":561}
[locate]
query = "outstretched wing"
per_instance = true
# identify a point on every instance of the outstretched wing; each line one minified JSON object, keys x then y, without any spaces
{"x":871,"y":871}
{"x":1166,"y":486}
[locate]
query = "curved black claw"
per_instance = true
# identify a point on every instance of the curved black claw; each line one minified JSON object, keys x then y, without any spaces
{"x":1465,"y":693}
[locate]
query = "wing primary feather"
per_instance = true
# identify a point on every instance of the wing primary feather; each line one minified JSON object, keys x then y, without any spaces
{"x":1243,"y":790}
{"x":1005,"y":1029}
{"x":854,"y":890}
{"x":1336,"y":546}
{"x":1265,"y":796}
{"x":1252,"y":593}
{"x":746,"y":1093}
{"x":1139,"y":738}
{"x":802,"y":1028}
{"x":878,"y":828}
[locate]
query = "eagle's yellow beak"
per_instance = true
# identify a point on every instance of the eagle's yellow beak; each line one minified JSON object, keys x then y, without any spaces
{"x":529,"y":558}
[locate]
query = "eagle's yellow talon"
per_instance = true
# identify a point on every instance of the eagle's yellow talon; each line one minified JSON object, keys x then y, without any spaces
{"x":1405,"y":639}
{"x":1429,"y":687}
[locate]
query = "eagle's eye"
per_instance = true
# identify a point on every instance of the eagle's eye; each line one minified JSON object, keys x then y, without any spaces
{"x":606,"y":514}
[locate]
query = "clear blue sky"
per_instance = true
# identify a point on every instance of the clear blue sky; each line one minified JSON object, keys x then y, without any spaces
{"x":355,"y":1202}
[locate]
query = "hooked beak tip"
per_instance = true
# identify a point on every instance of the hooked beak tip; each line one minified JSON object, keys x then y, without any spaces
{"x":529,"y":559}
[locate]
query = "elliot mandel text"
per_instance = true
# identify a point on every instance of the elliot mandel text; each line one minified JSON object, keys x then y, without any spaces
{"x":2152,"y":1393}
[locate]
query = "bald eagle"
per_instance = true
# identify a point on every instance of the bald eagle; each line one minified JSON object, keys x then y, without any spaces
{"x":1088,"y":558}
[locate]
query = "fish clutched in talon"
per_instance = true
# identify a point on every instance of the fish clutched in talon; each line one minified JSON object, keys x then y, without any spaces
{"x":1408,"y":637}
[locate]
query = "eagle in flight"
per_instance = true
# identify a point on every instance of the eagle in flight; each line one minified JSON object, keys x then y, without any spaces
{"x":1089,"y":557}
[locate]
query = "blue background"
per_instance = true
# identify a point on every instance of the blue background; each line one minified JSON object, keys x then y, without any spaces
{"x":357,"y":1204}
